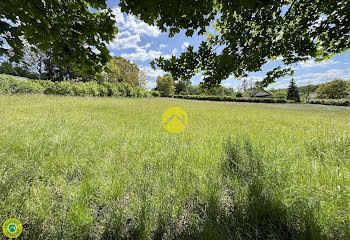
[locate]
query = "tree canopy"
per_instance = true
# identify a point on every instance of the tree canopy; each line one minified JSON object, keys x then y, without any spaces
{"x":335,"y":89}
{"x":165,"y":85}
{"x":293,"y":91}
{"x":75,"y":31}
{"x":247,"y":34}
{"x":122,"y":70}
{"x":242,"y":35}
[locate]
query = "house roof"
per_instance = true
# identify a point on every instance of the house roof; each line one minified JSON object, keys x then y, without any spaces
{"x":260,"y":93}
{"x":312,"y":95}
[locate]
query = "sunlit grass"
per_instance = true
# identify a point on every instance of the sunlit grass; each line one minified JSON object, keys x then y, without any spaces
{"x":104,"y":168}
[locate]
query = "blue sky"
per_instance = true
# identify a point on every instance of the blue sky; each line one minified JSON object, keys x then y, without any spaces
{"x":141,"y":43}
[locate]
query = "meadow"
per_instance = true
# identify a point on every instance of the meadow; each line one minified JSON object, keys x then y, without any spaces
{"x":105,"y":168}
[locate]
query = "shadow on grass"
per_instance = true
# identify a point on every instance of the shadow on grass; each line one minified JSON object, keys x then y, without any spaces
{"x":250,"y":210}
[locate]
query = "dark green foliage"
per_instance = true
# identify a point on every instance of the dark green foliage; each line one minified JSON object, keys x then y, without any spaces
{"x":293,"y":92}
{"x":239,"y":94}
{"x":12,"y":85}
{"x":71,"y":29}
{"x":248,"y":34}
{"x":180,"y":87}
{"x":337,"y":102}
{"x":17,"y":70}
{"x":229,"y":99}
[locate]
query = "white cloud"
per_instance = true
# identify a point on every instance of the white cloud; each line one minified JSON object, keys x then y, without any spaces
{"x":314,"y":78}
{"x":148,"y":45}
{"x":125,"y":33}
{"x":311,"y":63}
{"x":151,"y":75}
{"x":185,"y":45}
{"x":150,"y":72}
{"x":174,"y":51}
{"x":317,"y":78}
{"x":119,"y":17}
{"x":130,"y":23}
{"x":142,"y":55}
{"x":228,"y":84}
{"x":162,"y":46}
{"x":124,"y":43}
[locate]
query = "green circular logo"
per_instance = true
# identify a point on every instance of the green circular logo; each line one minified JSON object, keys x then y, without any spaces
{"x":12,"y":228}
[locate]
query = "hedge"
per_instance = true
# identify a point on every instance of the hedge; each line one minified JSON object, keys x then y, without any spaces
{"x":13,"y":85}
{"x":336,"y":102}
{"x":229,"y":99}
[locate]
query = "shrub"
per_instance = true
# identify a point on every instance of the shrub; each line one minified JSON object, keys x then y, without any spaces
{"x":155,"y":93}
{"x":93,"y":89}
{"x":61,"y":88}
{"x":44,"y":83}
{"x":86,"y":89}
{"x":125,"y":89}
{"x":27,"y":87}
{"x":11,"y":85}
{"x":140,"y":92}
{"x":113,"y":90}
{"x":6,"y":84}
{"x":230,"y":99}
{"x":239,"y":94}
{"x":103,"y":91}
{"x":336,"y":102}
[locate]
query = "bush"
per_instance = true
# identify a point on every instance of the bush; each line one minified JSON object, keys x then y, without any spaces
{"x":13,"y":85}
{"x":6,"y":84}
{"x":140,"y":92}
{"x":103,"y":91}
{"x":60,"y":88}
{"x":125,"y":89}
{"x":239,"y":94}
{"x":113,"y":90}
{"x":86,"y":89}
{"x":336,"y":102}
{"x":155,"y":93}
{"x":27,"y":87}
{"x":230,"y":99}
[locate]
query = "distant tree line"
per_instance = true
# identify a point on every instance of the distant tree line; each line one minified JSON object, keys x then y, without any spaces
{"x":167,"y":86}
{"x":336,"y":89}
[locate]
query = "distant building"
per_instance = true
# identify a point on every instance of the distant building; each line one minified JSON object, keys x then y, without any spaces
{"x":311,"y":96}
{"x":260,"y":93}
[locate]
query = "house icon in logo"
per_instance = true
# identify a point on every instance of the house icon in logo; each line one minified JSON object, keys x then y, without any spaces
{"x":175,"y":120}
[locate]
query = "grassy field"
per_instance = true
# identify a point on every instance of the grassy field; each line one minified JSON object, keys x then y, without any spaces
{"x":104,"y":168}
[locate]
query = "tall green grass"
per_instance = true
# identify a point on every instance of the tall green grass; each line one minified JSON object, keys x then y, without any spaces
{"x":103,"y":168}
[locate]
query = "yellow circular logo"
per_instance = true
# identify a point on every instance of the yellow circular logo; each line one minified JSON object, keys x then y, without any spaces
{"x":175,"y":119}
{"x":12,"y":228}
